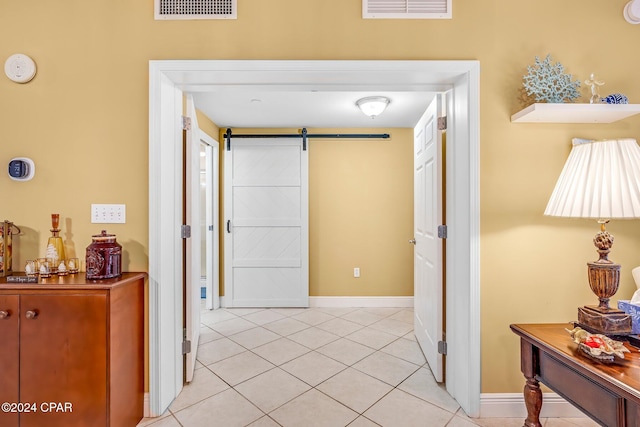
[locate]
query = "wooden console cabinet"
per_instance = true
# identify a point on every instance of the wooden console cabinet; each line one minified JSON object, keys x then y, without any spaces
{"x":72,"y":352}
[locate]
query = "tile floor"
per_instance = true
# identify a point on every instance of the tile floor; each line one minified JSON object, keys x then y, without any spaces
{"x":333,"y":367}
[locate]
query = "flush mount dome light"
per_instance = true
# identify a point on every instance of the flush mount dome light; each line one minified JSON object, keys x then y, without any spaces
{"x":373,"y":106}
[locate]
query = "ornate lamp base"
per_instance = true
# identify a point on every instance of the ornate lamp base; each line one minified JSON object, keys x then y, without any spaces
{"x":609,"y":322}
{"x":604,"y":278}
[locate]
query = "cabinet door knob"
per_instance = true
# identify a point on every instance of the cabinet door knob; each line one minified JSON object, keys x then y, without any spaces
{"x":31,"y":314}
{"x":4,"y":314}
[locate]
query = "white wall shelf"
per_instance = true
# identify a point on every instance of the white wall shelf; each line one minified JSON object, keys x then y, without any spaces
{"x":575,"y":113}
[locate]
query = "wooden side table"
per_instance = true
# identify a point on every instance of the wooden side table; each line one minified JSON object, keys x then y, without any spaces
{"x":608,"y":393}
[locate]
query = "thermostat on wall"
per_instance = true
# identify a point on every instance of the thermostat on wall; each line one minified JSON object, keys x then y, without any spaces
{"x":21,"y":169}
{"x":20,"y":68}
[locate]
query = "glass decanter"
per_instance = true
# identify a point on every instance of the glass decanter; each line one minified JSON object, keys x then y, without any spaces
{"x":55,"y":247}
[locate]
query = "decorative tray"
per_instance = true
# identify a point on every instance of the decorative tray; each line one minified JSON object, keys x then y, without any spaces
{"x":597,"y":346}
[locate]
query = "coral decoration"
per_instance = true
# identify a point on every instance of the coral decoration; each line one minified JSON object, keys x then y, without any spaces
{"x":549,"y":83}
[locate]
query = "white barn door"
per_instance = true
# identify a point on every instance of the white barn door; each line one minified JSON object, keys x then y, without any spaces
{"x":266,"y":223}
{"x":428,"y":247}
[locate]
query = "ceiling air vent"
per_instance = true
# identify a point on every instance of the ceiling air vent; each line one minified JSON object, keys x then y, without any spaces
{"x":195,"y":9}
{"x":406,"y":9}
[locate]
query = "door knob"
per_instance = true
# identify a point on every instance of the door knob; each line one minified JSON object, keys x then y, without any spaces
{"x":4,"y":314}
{"x":412,"y":241}
{"x":31,"y":314}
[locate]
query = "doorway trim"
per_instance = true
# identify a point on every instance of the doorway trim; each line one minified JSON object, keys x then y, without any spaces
{"x":168,"y":80}
{"x":213,"y":160}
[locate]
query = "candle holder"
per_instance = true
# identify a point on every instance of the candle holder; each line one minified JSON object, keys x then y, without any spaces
{"x":44,"y":267}
{"x":62,"y":268}
{"x":6,"y":229}
{"x":73,"y":265}
{"x":30,"y":268}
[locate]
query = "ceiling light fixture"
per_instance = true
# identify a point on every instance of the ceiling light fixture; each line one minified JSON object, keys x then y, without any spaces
{"x":373,"y":106}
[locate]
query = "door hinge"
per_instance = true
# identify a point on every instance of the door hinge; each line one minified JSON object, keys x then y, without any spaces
{"x":442,"y":347}
{"x":185,"y":231}
{"x":442,"y":123}
{"x":186,"y":344}
{"x":442,"y":231}
{"x":186,"y":123}
{"x":211,"y":228}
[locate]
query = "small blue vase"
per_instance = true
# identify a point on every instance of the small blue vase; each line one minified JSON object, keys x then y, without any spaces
{"x":615,"y":98}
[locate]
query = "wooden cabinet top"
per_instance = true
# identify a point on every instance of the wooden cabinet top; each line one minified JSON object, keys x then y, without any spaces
{"x":72,"y":281}
{"x":623,"y":374}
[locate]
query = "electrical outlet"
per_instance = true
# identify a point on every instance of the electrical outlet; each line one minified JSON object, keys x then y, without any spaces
{"x":108,"y":214}
{"x":356,"y":272}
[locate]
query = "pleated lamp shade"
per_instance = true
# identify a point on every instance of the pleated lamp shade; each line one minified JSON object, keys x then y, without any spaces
{"x":601,"y":180}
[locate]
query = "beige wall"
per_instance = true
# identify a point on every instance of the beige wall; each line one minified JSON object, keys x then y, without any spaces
{"x":84,"y":120}
{"x":361,"y":214}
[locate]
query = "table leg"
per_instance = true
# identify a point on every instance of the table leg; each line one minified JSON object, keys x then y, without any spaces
{"x":533,"y":402}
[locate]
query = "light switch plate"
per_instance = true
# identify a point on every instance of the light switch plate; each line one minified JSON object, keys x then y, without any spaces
{"x":108,"y":214}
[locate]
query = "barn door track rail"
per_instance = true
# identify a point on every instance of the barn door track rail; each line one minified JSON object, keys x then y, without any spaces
{"x":304,"y":135}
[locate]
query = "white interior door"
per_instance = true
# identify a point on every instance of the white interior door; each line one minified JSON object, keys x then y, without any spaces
{"x":428,"y":247}
{"x":267,"y":223}
{"x":193,"y":245}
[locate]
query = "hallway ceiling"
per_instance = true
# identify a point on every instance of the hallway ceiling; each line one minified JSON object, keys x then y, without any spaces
{"x":247,"y":108}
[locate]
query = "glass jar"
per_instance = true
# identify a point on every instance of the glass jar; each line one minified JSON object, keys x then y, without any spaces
{"x":104,"y":257}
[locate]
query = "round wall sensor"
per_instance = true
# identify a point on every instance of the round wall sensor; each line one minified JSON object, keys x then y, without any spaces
{"x":631,"y":12}
{"x":20,"y":68}
{"x":21,"y":169}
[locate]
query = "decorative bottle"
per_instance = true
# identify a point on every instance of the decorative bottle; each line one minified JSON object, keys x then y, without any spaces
{"x":55,"y":247}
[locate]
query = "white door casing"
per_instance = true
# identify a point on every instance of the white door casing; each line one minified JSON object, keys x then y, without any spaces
{"x":193,"y":243}
{"x":267,"y":225}
{"x":427,"y":264}
{"x":167,"y":80}
{"x":210,"y":224}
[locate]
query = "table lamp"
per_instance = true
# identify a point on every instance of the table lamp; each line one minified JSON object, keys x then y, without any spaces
{"x":600,"y":180}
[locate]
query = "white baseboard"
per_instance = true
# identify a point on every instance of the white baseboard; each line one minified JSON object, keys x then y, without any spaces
{"x":405,"y":302}
{"x":511,"y":405}
{"x":360,"y":301}
{"x":146,"y":406}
